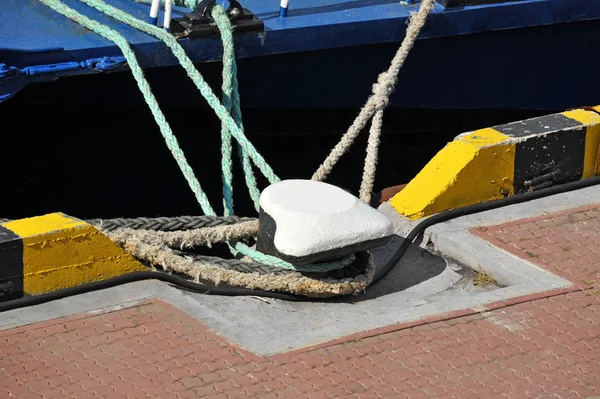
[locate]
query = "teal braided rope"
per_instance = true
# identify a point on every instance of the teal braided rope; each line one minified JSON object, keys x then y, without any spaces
{"x":226,"y":119}
{"x":226,"y":148}
{"x":231,"y":101}
{"x":167,"y":133}
{"x":144,"y":87}
{"x":275,"y":261}
{"x":195,"y":76}
{"x":237,"y":115}
{"x":250,"y":179}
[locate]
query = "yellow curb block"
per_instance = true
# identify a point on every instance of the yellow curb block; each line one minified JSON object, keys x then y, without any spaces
{"x":55,"y":251}
{"x":504,"y":160}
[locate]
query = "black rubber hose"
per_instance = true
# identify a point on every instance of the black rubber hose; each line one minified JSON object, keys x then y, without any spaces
{"x":233,"y":291}
{"x":140,"y":276}
{"x":471,"y":209}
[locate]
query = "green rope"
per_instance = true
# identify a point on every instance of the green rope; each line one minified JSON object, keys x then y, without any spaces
{"x":226,"y":161}
{"x":275,"y":261}
{"x":231,"y":101}
{"x":230,"y":126}
{"x":144,"y":87}
{"x":193,"y":74}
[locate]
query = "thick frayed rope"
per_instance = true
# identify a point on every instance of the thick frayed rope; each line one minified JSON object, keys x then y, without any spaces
{"x":382,"y":90}
{"x":158,"y":249}
{"x":204,"y":270}
{"x":185,"y":232}
{"x":166,"y":223}
{"x":207,"y":236}
{"x":185,"y":239}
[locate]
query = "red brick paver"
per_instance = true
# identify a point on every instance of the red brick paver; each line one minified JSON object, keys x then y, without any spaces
{"x":547,"y":348}
{"x":566,"y":243}
{"x":541,"y":348}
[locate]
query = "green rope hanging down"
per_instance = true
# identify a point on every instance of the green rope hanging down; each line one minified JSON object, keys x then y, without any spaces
{"x":144,"y":87}
{"x":187,"y":64}
{"x":230,"y":91}
{"x":230,"y":128}
{"x":231,"y":101}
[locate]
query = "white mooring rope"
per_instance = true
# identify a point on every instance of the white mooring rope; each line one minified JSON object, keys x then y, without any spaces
{"x":374,"y":107}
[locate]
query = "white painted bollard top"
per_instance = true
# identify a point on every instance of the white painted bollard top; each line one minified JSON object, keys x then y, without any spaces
{"x":310,"y":220}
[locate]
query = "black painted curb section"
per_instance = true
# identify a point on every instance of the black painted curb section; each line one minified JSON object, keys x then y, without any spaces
{"x":552,"y":151}
{"x":11,"y":265}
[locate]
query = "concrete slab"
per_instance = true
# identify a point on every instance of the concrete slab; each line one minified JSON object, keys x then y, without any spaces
{"x":423,"y":284}
{"x":453,"y":240}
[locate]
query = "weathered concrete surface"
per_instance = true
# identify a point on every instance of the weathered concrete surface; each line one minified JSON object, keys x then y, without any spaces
{"x":453,"y":239}
{"x":421,"y":285}
{"x":545,"y":346}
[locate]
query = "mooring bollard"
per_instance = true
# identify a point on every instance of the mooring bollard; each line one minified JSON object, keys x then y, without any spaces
{"x":306,"y":221}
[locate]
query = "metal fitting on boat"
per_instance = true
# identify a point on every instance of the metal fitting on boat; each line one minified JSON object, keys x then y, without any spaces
{"x":200,"y":23}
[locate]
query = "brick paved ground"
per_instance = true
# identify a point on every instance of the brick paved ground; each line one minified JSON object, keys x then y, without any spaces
{"x":543,"y":348}
{"x":567,"y":243}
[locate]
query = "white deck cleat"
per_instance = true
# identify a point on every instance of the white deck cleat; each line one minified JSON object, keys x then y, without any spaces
{"x":306,"y":221}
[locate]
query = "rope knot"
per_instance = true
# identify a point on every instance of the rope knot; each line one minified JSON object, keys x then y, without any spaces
{"x":383,"y":89}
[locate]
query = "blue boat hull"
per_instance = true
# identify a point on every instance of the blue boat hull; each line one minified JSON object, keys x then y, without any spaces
{"x":526,"y":54}
{"x":543,"y":68}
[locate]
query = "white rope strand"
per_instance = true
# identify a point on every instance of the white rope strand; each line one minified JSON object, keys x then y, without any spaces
{"x":376,"y":103}
{"x":368,"y":179}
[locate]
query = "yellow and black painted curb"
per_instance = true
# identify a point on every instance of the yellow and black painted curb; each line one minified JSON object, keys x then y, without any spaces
{"x":55,"y":251}
{"x":505,"y":160}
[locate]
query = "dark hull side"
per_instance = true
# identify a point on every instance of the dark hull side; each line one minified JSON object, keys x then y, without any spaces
{"x":539,"y":68}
